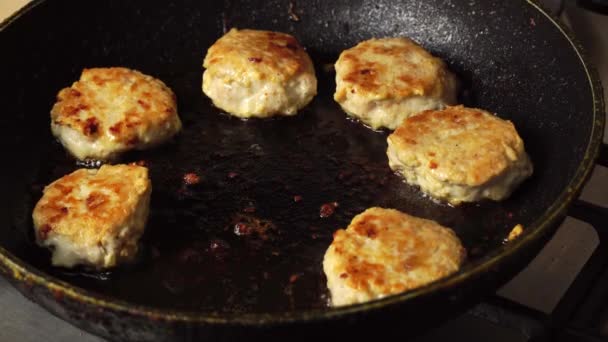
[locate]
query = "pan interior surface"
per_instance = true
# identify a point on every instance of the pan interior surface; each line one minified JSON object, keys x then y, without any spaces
{"x":272,"y":176}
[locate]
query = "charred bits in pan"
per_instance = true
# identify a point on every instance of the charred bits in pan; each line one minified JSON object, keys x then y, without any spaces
{"x":328,"y":209}
{"x":250,"y":225}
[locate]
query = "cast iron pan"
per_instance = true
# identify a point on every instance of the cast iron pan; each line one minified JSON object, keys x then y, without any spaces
{"x":196,"y":277}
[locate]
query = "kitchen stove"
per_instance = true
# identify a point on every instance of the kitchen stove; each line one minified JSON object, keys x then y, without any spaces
{"x":561,"y":296}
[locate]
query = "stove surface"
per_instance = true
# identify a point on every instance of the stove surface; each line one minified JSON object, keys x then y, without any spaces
{"x":537,"y":291}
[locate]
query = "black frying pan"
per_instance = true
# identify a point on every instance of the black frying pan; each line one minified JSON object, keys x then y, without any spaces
{"x":196,"y":278}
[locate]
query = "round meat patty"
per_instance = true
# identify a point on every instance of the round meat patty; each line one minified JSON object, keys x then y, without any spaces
{"x":94,"y":217}
{"x":381,"y":82}
{"x":384,"y":252}
{"x":251,"y":73}
{"x":459,"y":154}
{"x":113,"y":110}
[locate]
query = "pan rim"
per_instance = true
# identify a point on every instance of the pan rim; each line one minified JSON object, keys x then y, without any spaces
{"x":20,"y":271}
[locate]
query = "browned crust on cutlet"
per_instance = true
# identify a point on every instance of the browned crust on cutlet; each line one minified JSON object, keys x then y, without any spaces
{"x":385,"y":251}
{"x":273,"y":55}
{"x":87,"y":107}
{"x":459,"y":145}
{"x":88,"y":205}
{"x":389,"y":68}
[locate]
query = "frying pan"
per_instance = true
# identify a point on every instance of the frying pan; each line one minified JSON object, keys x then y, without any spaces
{"x":197,"y":278}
